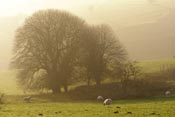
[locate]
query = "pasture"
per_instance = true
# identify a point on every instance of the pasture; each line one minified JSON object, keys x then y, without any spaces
{"x":151,"y":66}
{"x":163,"y":107}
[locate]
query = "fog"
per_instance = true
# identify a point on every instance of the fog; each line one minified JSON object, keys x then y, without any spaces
{"x":143,"y":26}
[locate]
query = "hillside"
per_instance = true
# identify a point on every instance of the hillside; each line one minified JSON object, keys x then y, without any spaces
{"x":150,"y":40}
{"x":151,"y":66}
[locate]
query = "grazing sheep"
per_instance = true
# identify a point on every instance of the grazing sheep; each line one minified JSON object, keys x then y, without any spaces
{"x":167,"y":93}
{"x":27,"y":99}
{"x":100,"y":98}
{"x":107,"y":101}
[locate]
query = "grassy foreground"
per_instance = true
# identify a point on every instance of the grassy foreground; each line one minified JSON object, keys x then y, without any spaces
{"x":164,"y":107}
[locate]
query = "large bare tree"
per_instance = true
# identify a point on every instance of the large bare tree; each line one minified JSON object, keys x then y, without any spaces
{"x":48,"y":41}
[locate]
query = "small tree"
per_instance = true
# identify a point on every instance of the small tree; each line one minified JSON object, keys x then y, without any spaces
{"x":128,"y":70}
{"x":125,"y":72}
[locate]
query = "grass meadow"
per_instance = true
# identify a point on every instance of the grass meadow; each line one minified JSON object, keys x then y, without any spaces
{"x":163,"y":107}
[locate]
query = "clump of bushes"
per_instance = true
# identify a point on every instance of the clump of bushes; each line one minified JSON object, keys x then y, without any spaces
{"x":131,"y":83}
{"x":145,"y":88}
{"x":135,"y":88}
{"x":92,"y":91}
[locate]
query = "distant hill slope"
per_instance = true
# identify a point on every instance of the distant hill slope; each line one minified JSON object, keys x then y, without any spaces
{"x":151,"y":66}
{"x":150,"y":40}
{"x":8,"y":84}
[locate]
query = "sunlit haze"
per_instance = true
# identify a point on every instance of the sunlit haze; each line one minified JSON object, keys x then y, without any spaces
{"x":9,"y":7}
{"x":87,"y":58}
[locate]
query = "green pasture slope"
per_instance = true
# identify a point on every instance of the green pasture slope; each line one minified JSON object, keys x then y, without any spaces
{"x":161,"y":107}
{"x":150,"y":66}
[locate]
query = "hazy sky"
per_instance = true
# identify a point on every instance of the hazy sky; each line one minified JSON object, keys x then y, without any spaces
{"x":124,"y":12}
{"x":14,"y":7}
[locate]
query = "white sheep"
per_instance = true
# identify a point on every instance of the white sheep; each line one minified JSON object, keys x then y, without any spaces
{"x":167,"y":93}
{"x":27,"y":98}
{"x":100,"y":98}
{"x":107,"y":101}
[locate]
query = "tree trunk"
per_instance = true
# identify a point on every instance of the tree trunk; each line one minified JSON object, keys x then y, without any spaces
{"x":56,"y":90}
{"x":54,"y":82}
{"x":65,"y":88}
{"x":88,"y":82}
{"x":88,"y":79}
{"x":98,"y":82}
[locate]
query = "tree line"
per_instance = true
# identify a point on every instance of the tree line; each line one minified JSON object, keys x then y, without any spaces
{"x":55,"y":49}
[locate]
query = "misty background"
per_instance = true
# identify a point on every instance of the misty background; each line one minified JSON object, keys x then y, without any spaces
{"x":145,"y":27}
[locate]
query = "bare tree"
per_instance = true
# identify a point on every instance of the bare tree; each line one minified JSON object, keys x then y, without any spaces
{"x":48,"y":40}
{"x":101,"y":48}
{"x":125,"y":72}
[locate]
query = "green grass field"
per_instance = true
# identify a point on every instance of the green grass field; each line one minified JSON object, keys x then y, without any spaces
{"x":164,"y":107}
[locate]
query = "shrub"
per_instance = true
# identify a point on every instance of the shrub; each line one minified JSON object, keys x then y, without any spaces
{"x":135,"y":89}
